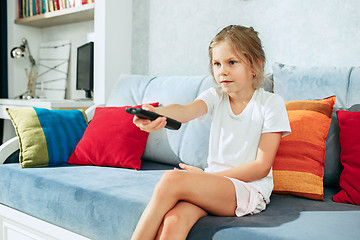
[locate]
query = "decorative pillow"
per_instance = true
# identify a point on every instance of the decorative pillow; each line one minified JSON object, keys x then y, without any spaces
{"x":111,"y":139}
{"x":349,"y":123}
{"x":333,"y":166}
{"x":47,"y":137}
{"x":299,"y":164}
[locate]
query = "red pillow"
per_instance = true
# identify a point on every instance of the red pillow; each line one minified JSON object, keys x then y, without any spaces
{"x":349,"y":136}
{"x":111,"y":139}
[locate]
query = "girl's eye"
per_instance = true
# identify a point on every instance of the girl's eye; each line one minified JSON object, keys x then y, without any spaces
{"x":232,"y":62}
{"x":216,"y":64}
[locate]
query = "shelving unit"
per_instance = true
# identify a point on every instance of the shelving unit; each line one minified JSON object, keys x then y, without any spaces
{"x":69,"y":15}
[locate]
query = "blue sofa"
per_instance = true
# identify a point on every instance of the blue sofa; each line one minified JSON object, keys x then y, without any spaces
{"x":106,"y":203}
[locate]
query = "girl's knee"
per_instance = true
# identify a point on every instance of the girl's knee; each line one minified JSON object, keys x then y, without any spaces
{"x":168,"y":184}
{"x":174,"y":223}
{"x":171,"y":177}
{"x":173,"y":217}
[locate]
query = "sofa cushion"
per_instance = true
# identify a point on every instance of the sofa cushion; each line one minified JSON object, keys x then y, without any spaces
{"x":349,"y":123}
{"x":286,"y":218}
{"x":106,"y":203}
{"x":333,"y":166}
{"x":190,"y":143}
{"x":111,"y":139}
{"x":97,"y":202}
{"x":47,"y":137}
{"x":299,"y":164}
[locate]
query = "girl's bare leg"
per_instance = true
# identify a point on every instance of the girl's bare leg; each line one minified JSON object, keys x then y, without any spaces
{"x":178,"y":221}
{"x":214,"y":194}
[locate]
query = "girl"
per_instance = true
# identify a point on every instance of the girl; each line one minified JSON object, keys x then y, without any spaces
{"x":247,"y":125}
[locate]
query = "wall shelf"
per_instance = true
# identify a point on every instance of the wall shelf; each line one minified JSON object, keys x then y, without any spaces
{"x":59,"y":17}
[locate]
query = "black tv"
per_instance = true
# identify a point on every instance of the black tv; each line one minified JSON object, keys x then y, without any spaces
{"x":85,"y":68}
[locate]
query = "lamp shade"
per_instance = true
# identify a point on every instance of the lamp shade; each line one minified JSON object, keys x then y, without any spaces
{"x":18,"y":52}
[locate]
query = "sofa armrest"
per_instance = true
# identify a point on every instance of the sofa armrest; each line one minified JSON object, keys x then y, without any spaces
{"x":8,"y":148}
{"x":91,"y":110}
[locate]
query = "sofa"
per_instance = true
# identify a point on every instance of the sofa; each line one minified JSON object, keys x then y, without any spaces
{"x":105,"y":202}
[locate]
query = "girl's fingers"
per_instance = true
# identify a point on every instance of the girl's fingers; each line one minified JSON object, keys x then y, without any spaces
{"x":186,"y":167}
{"x":183,"y":166}
{"x":148,"y":125}
{"x":157,"y":123}
{"x":137,"y":120}
{"x":148,"y":107}
{"x":190,"y":168}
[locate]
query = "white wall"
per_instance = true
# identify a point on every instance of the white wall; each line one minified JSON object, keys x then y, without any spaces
{"x":296,"y":32}
{"x":113,"y":27}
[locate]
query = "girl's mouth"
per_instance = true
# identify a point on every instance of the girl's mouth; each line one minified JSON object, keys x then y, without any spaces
{"x":225,"y":82}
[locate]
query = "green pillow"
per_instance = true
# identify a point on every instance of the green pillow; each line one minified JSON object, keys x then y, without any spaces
{"x":47,"y":137}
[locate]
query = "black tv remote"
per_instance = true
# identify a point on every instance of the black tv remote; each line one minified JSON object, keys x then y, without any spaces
{"x":141,"y":113}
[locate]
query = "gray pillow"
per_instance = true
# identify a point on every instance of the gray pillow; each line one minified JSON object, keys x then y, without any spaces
{"x":333,"y":165}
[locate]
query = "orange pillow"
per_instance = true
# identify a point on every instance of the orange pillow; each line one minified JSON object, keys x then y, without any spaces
{"x":298,"y":167}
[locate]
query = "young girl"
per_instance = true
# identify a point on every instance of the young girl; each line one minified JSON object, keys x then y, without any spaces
{"x":247,"y":125}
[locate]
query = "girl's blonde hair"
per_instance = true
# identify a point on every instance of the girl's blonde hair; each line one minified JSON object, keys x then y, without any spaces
{"x":246,"y":41}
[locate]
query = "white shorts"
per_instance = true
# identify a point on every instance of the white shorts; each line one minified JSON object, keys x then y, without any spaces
{"x":249,"y":200}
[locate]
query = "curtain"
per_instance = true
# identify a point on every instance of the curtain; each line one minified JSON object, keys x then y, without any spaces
{"x":3,"y":58}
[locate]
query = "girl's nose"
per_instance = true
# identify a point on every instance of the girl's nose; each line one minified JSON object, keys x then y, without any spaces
{"x":223,"y":71}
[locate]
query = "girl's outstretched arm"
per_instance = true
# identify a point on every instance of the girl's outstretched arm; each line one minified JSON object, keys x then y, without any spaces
{"x":181,"y":113}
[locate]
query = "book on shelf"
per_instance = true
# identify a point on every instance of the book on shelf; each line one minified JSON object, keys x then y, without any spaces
{"x":28,"y":8}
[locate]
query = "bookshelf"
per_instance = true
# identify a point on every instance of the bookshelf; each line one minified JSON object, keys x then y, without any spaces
{"x":59,"y":17}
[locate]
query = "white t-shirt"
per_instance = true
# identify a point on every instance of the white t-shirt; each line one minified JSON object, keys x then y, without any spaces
{"x":234,"y":139}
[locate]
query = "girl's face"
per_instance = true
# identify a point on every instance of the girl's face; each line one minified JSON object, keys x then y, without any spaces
{"x":231,"y":70}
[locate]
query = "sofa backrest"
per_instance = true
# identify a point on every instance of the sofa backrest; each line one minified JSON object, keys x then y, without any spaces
{"x":308,"y":83}
{"x":354,"y":87}
{"x":190,"y":142}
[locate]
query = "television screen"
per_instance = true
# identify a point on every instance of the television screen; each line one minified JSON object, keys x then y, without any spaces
{"x":85,"y":68}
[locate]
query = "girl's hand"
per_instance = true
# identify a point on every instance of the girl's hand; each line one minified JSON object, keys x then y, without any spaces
{"x":148,"y":125}
{"x":190,"y":168}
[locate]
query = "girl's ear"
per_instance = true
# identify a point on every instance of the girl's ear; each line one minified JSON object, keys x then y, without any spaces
{"x":259,"y":63}
{"x":255,"y":68}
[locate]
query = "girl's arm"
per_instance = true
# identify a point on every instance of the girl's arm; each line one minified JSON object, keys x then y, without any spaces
{"x":181,"y":113}
{"x":268,"y":146}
